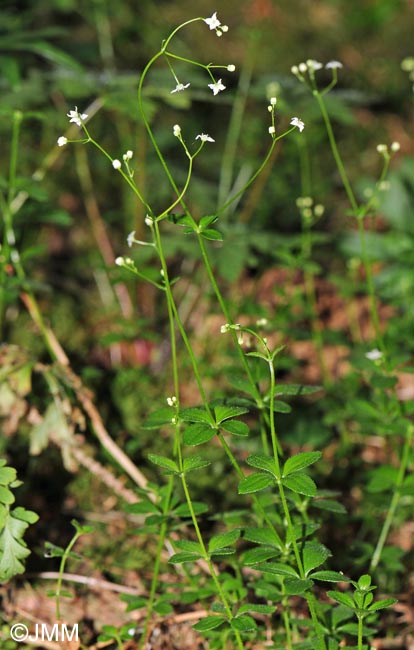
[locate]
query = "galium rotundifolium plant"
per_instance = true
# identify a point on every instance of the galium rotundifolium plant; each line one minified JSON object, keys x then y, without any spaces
{"x":278,"y":556}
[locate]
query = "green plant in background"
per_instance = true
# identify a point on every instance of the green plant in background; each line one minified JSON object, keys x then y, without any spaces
{"x":13,"y":525}
{"x":268,"y":555}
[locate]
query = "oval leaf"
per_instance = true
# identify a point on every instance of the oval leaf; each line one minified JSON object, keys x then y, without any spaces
{"x":300,"y":461}
{"x":209,"y":623}
{"x":301,"y":484}
{"x":164,"y":462}
{"x":197,"y":434}
{"x":255,"y":483}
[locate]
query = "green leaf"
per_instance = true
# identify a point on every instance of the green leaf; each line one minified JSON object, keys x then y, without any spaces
{"x":257,"y":609}
{"x":281,"y":407}
{"x":255,"y":483}
{"x":193,"y":463}
{"x":330,"y":505}
{"x":195,"y":415}
{"x":329,"y":576}
{"x":235,"y":427}
{"x":158,"y":418}
{"x":301,"y":484}
{"x":6,"y":496}
{"x":212,"y":234}
{"x":382,"y":604}
{"x":278,"y":569}
{"x":223,"y":539}
{"x":342,"y":598}
{"x":184,"y":511}
{"x":296,"y":389}
{"x":164,"y":462}
{"x":189,"y":545}
{"x":314,"y":554}
{"x":243,"y":623}
{"x":184,"y":556}
{"x":226,"y":412}
{"x":7,"y":475}
{"x":297,"y":587}
{"x":263,"y":536}
{"x":13,"y":549}
{"x":206,"y":221}
{"x":209,"y":623}
{"x":256,"y":555}
{"x":263,"y":462}
{"x":300,"y":461}
{"x":197,"y":434}
{"x":141,"y":508}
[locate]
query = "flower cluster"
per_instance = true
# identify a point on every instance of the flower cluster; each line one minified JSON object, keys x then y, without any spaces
{"x":215,"y":24}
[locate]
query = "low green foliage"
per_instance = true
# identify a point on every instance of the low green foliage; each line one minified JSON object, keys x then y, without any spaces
{"x":275,"y":452}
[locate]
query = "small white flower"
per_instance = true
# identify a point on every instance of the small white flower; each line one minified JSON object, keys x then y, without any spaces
{"x":172,"y":401}
{"x":382,"y":148}
{"x":128,"y":155}
{"x":318,"y":210}
{"x":302,"y":67}
{"x":333,"y":65}
{"x":294,"y":70}
{"x":231,"y":67}
{"x":62,"y":141}
{"x":273,"y":101}
{"x":120,"y":261}
{"x":224,"y":328}
{"x":217,"y":87}
{"x":76,"y":117}
{"x":204,"y":137}
{"x":177,"y":130}
{"x":116,"y":164}
{"x":179,"y":87}
{"x":374,"y":355}
{"x":213,"y":22}
{"x":314,"y":65}
{"x":272,"y":130}
{"x":131,"y":238}
{"x":149,"y":221}
{"x":295,"y":121}
{"x":395,"y":146}
{"x":262,"y":322}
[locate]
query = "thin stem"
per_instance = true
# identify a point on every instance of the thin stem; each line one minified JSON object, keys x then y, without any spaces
{"x":395,"y":498}
{"x":336,"y":154}
{"x":62,"y":564}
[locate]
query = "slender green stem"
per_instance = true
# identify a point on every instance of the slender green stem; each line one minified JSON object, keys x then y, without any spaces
{"x":62,"y":564}
{"x":336,"y":154}
{"x":406,"y":456}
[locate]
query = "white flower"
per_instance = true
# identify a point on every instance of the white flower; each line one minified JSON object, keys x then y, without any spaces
{"x":231,"y":67}
{"x":177,"y":130}
{"x":217,"y":87}
{"x":116,"y":164}
{"x":149,"y":221}
{"x":179,"y":87}
{"x":314,"y":65}
{"x":62,"y":141}
{"x":333,"y":65}
{"x":213,"y":22}
{"x":395,"y":146}
{"x":272,"y":130}
{"x":273,"y":101}
{"x":131,"y":238}
{"x":172,"y":401}
{"x":128,"y":155}
{"x":302,"y":67}
{"x":295,"y":121}
{"x":294,"y":70}
{"x":374,"y":355}
{"x":382,"y":148}
{"x":204,"y":137}
{"x":224,"y":328}
{"x":76,"y":117}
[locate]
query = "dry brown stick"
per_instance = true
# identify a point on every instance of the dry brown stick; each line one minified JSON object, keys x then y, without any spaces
{"x":84,"y":397}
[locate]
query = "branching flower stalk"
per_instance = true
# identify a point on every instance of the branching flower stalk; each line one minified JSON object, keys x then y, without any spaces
{"x":305,"y":72}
